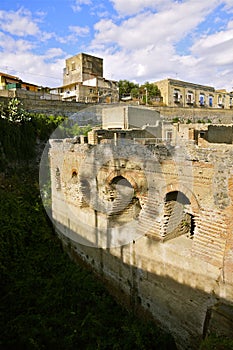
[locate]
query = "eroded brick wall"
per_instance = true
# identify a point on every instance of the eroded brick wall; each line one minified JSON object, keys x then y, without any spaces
{"x":174,"y":275}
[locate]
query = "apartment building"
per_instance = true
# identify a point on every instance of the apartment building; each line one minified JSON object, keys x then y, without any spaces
{"x":9,"y":82}
{"x":177,"y":93}
{"x":83,"y":81}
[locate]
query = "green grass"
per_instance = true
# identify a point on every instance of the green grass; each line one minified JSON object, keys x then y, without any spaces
{"x":46,"y":300}
{"x":217,"y":343}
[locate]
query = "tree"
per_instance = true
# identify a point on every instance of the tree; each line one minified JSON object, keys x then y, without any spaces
{"x":150,"y":90}
{"x":14,"y":111}
{"x":125,"y":87}
{"x":147,"y":92}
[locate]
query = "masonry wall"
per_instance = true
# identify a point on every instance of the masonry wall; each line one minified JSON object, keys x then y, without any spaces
{"x":68,"y":108}
{"x":175,"y":276}
{"x":216,"y":115}
{"x":49,"y":107}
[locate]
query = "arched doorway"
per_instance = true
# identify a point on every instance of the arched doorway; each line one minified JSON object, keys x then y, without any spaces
{"x":125,"y":205}
{"x":177,"y":216}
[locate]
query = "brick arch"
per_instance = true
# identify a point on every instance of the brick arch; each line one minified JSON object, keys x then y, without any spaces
{"x":74,"y":170}
{"x":138,"y":188}
{"x":186,"y":191}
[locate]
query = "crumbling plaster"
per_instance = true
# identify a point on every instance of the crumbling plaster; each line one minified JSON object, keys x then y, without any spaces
{"x":177,"y":277}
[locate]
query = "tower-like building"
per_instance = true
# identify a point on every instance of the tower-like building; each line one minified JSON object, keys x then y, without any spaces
{"x":83,"y":81}
{"x":82,"y":67}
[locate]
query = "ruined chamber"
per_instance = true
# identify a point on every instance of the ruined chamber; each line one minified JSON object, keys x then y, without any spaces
{"x":155,"y":222}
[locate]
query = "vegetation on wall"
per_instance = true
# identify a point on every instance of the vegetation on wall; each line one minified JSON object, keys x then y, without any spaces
{"x":20,"y":132}
{"x":214,"y":342}
{"x":46,"y":300}
{"x":69,"y":128}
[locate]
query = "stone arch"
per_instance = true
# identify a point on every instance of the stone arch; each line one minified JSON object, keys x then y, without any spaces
{"x":180,"y":208}
{"x":74,"y":176}
{"x":122,"y":179}
{"x":140,"y":187}
{"x":186,"y":191}
{"x":74,"y":172}
{"x":125,"y":205}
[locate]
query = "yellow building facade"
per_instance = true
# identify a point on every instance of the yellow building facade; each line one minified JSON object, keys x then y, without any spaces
{"x":177,"y":93}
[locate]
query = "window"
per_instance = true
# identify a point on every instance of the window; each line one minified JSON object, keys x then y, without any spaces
{"x":202,"y":99}
{"x":210,"y":101}
{"x":73,"y":66}
{"x":176,"y":95}
{"x":169,"y":135}
{"x":220,"y":100}
{"x":202,"y":134}
{"x":189,"y":97}
{"x":89,"y":64}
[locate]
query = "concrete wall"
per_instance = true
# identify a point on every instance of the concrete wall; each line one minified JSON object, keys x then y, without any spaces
{"x":220,"y":134}
{"x":116,"y":117}
{"x":127,"y":117}
{"x":82,"y":67}
{"x":138,"y":117}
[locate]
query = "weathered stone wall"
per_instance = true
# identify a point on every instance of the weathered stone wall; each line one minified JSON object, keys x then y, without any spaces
{"x":53,"y":107}
{"x":169,"y":248}
{"x":184,"y":114}
{"x":48,"y":107}
{"x":216,"y":115}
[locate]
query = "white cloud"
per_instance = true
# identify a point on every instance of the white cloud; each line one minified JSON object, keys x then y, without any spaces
{"x":45,"y":36}
{"x":20,"y":39}
{"x":79,"y":3}
{"x":228,"y":6}
{"x":143,"y":46}
{"x":80,"y":31}
{"x":54,"y":52}
{"x":230,"y":25}
{"x":169,"y":25}
{"x":76,"y":32}
{"x":18,"y":23}
{"x":143,"y":41}
{"x":9,"y":44}
{"x":130,"y":7}
{"x":216,"y":48}
{"x":33,"y":68}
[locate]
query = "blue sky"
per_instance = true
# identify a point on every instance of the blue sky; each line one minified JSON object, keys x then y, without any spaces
{"x":139,"y":40}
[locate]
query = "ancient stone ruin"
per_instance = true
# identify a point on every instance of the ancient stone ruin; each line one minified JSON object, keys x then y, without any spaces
{"x":155,"y":221}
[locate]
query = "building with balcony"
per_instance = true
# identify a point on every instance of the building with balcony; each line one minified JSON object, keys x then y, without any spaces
{"x":83,"y":81}
{"x":9,"y":82}
{"x":177,"y":93}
